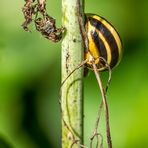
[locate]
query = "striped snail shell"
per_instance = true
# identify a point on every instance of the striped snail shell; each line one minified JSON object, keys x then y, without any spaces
{"x":103,"y":42}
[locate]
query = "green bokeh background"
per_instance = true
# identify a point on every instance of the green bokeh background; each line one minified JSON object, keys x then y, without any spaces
{"x":30,"y":79}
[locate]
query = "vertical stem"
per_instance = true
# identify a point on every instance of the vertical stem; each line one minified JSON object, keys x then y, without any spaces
{"x":72,"y":90}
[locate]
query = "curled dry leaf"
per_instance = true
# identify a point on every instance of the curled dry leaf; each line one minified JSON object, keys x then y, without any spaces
{"x":45,"y":24}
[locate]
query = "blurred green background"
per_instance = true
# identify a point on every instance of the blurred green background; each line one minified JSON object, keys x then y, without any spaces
{"x":30,"y":79}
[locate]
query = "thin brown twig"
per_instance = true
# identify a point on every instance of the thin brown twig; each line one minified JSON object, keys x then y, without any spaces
{"x":92,"y":138}
{"x":78,"y":66}
{"x":106,"y":88}
{"x":109,"y":73}
{"x":105,"y":105}
{"x":80,"y":145}
{"x":95,"y":132}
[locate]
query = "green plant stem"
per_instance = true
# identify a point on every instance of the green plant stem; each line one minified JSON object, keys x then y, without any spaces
{"x":72,"y":90}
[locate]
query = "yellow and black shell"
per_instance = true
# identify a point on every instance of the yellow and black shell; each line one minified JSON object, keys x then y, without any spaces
{"x":103,"y":42}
